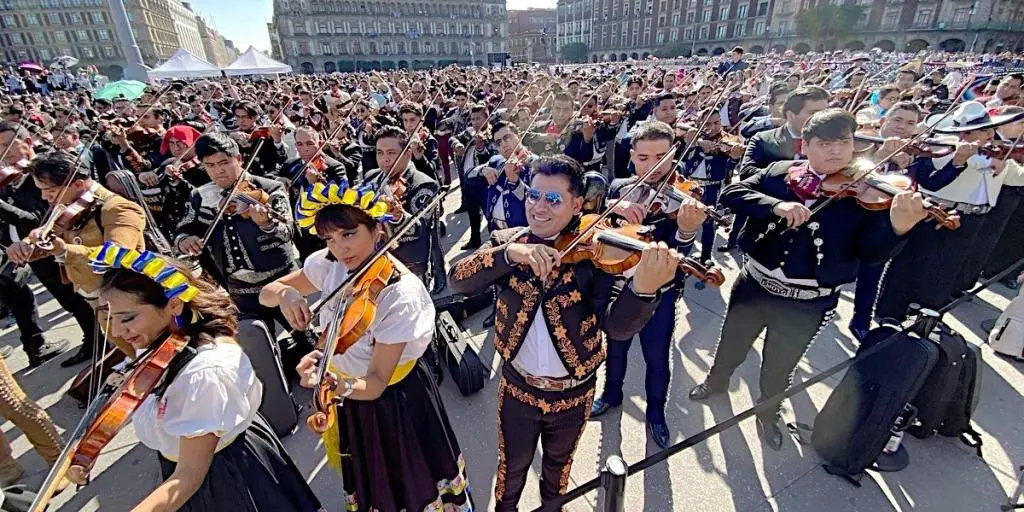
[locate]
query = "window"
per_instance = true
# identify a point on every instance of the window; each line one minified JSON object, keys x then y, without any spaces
{"x":81,"y":35}
{"x":720,"y":33}
{"x":923,"y":18}
{"x":704,"y":32}
{"x":76,"y":19}
{"x":688,"y":33}
{"x":87,"y":52}
{"x":661,"y":37}
{"x":109,"y":51}
{"x":97,"y":18}
{"x":723,"y":12}
{"x":32,"y":19}
{"x":103,"y":34}
{"x":44,"y":54}
{"x":691,"y":17}
{"x":707,"y":16}
{"x":675,"y":20}
{"x":758,"y":28}
{"x":9,"y":20}
{"x":762,"y":9}
{"x":961,"y":15}
{"x":61,"y":37}
{"x":891,"y":19}
{"x":674,"y":36}
{"x":39,"y":37}
{"x":741,"y":11}
{"x":53,"y":18}
{"x":739,"y":29}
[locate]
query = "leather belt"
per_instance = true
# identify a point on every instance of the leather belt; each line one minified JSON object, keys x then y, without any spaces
{"x":967,"y":208}
{"x":547,"y":383}
{"x":780,"y":288}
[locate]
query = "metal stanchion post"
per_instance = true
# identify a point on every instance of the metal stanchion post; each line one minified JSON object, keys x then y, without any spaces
{"x":613,"y":481}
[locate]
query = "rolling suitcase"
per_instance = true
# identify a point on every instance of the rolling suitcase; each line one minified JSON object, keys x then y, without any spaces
{"x":464,"y":364}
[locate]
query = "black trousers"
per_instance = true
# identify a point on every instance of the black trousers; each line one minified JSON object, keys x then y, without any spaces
{"x":791,"y":326}
{"x":48,"y":272}
{"x":1010,"y":247}
{"x":526,"y":415}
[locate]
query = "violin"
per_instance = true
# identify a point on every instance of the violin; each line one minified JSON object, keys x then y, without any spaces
{"x":927,"y":148}
{"x":352,"y":318}
{"x":617,"y":249}
{"x":1002,"y":150}
{"x":105,"y":418}
{"x":677,"y":191}
{"x":63,"y":218}
{"x":248,"y":195}
{"x":260,"y":133}
{"x":11,"y":174}
{"x":875,"y":192}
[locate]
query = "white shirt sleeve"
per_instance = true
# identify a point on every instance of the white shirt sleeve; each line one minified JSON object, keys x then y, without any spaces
{"x":409,"y":314}
{"x":211,"y":402}
{"x":316,"y":268}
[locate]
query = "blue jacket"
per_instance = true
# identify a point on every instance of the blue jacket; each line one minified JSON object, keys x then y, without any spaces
{"x":511,"y":195}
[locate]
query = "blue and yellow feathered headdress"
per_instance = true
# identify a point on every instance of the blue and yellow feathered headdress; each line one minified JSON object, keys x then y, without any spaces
{"x":175,"y":283}
{"x":318,"y":195}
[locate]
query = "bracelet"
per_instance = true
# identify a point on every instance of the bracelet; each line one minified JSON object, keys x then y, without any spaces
{"x":687,"y":237}
{"x":349,"y":388}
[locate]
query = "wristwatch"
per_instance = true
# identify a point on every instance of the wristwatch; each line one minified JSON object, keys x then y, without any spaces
{"x":349,"y":388}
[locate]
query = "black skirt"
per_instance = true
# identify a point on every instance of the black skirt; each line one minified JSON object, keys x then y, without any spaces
{"x":252,"y":474}
{"x":399,"y":452}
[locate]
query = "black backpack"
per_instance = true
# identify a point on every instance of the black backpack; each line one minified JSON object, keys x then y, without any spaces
{"x":950,"y":394}
{"x":856,"y":421}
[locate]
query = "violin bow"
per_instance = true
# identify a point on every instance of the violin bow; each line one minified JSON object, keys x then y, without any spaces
{"x":850,"y":105}
{"x":882,"y":162}
{"x":384,"y":177}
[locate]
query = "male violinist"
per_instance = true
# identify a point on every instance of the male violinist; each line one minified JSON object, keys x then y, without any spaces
{"x":652,"y":140}
{"x":930,"y":277}
{"x":250,"y":247}
{"x":551,"y":324}
{"x":105,"y":216}
{"x":782,"y":143}
{"x":796,"y":262}
{"x":710,"y":163}
{"x":21,"y":210}
{"x":423,"y":145}
{"x":898,"y":125}
{"x":396,"y":161}
{"x":472,"y":148}
{"x":664,"y":110}
{"x":271,"y":153}
{"x":307,"y":144}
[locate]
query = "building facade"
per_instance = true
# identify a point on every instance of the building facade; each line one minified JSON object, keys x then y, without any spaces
{"x":532,"y":35}
{"x":187,"y":28}
{"x":616,"y":30}
{"x":40,"y":31}
{"x":213,"y":44}
{"x":153,"y":26}
{"x":342,"y":35}
{"x":276,"y":52}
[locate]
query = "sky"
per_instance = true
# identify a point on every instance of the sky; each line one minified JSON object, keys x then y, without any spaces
{"x":245,"y":21}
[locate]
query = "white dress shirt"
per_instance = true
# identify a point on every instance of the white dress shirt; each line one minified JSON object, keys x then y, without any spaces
{"x":537,"y":354}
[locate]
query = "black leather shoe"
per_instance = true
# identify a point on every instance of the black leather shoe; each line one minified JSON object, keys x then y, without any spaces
{"x":704,"y":390}
{"x":80,"y":357}
{"x":726,"y":247}
{"x":659,"y":433}
{"x":461,"y":209}
{"x":489,"y":321}
{"x":46,"y":352}
{"x":439,"y":284}
{"x":472,"y":244}
{"x":1010,"y":283}
{"x":600,"y":407}
{"x":770,"y":432}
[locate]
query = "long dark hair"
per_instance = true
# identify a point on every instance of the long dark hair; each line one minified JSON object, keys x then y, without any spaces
{"x":209,"y":315}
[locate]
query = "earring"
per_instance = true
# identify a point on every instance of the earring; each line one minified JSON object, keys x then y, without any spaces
{"x":178,"y":322}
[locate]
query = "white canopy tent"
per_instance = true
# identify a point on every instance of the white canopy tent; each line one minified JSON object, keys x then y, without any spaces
{"x":184,"y":65}
{"x":252,"y":62}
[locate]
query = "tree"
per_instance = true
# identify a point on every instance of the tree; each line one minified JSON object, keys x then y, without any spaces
{"x":675,"y":49}
{"x":575,"y":52}
{"x":826,"y":24}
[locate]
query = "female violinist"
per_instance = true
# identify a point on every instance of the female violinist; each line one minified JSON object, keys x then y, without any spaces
{"x":167,"y":189}
{"x":400,"y":452}
{"x":216,"y":452}
{"x":84,"y":215}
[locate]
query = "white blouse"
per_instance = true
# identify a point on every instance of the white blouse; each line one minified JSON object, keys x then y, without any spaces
{"x":405,"y":314}
{"x":216,"y":393}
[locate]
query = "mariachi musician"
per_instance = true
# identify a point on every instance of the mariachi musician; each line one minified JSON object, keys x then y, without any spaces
{"x":216,"y":452}
{"x":797,"y":261}
{"x":548,"y":376}
{"x":84,"y":215}
{"x":261,"y":145}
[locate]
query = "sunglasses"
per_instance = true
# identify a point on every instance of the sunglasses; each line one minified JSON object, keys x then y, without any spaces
{"x":552,"y":198}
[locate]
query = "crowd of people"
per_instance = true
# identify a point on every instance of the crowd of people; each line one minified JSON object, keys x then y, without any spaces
{"x":162,"y":222}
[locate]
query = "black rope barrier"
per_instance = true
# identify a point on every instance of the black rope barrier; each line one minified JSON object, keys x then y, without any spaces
{"x":769,"y":404}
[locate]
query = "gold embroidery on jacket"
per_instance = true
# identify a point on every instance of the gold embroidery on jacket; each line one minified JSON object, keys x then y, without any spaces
{"x":554,"y":307}
{"x":473,"y":264}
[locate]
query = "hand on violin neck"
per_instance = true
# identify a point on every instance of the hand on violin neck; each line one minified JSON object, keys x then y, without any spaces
{"x":657,"y":268}
{"x":633,"y":213}
{"x":795,"y":214}
{"x":906,"y":211}
{"x":690,"y":215}
{"x":964,"y":151}
{"x":307,"y":370}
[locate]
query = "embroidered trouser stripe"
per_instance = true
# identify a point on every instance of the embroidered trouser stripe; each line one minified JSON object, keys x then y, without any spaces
{"x":29,"y":417}
{"x":526,"y":416}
